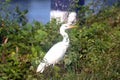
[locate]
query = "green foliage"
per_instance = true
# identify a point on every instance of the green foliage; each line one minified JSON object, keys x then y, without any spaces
{"x":94,"y":51}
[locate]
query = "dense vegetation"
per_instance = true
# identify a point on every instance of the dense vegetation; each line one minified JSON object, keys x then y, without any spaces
{"x":94,"y":52}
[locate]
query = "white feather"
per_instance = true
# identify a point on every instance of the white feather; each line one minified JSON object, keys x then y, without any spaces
{"x":41,"y":67}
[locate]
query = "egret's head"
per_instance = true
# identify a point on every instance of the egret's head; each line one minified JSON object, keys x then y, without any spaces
{"x":67,"y":26}
{"x":64,"y":27}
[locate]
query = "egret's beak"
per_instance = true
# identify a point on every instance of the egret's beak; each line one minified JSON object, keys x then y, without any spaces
{"x":72,"y":26}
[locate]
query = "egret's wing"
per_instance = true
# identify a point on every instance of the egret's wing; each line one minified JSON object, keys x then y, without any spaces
{"x":55,"y":53}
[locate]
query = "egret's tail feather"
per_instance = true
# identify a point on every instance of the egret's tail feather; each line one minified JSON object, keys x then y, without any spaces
{"x":41,"y":67}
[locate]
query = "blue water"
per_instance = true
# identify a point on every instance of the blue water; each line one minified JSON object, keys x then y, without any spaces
{"x":37,"y":9}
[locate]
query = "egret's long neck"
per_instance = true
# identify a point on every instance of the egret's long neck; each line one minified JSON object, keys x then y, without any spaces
{"x":65,"y":36}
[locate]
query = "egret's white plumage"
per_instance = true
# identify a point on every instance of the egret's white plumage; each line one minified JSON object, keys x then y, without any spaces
{"x":58,"y":50}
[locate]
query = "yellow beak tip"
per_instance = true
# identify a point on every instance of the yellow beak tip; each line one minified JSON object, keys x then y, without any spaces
{"x":73,"y":26}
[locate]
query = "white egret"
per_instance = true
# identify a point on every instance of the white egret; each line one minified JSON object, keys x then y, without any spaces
{"x":58,"y":50}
